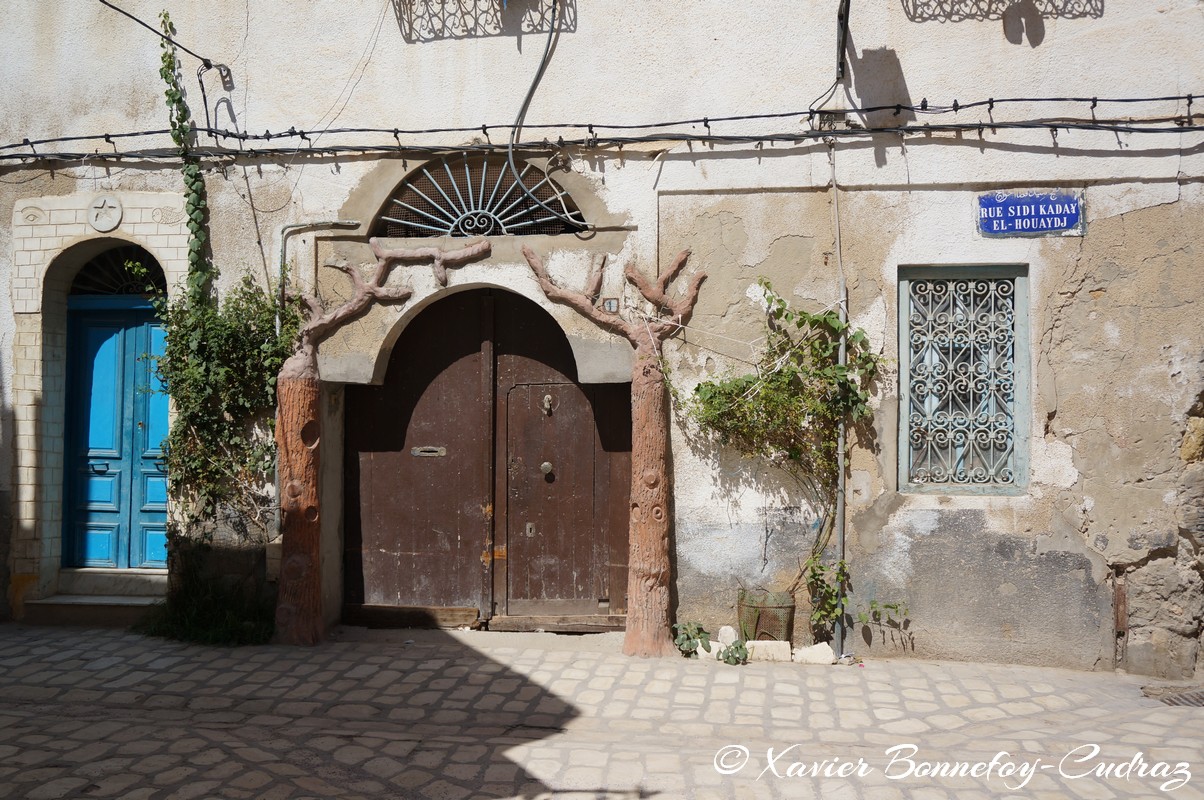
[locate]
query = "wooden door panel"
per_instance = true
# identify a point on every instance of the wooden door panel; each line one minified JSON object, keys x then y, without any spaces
{"x":423,"y":466}
{"x":553,"y":568}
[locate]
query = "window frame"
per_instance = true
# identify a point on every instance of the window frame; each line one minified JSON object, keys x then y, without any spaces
{"x":1022,"y":356}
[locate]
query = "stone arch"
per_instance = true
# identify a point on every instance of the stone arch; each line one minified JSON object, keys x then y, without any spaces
{"x":468,"y":366}
{"x":42,"y":283}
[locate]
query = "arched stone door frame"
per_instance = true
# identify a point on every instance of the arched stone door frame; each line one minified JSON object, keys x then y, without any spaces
{"x":359,"y":353}
{"x":543,"y":458}
{"x":53,"y":237}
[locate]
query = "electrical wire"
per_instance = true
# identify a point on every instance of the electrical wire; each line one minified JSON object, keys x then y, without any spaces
{"x":789,"y":137}
{"x":516,"y":129}
{"x":158,"y":33}
{"x":1117,"y":126}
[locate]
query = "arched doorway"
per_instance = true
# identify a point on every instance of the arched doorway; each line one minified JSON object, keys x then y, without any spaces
{"x":115,"y":488}
{"x":482,"y":481}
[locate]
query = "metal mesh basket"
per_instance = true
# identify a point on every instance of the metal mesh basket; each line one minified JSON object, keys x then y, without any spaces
{"x":765,"y":615}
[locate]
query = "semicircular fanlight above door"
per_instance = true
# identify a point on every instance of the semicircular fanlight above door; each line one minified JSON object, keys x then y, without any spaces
{"x":109,"y":273}
{"x":464,"y":195}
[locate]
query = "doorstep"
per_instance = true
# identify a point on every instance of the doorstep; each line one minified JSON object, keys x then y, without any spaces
{"x":99,"y":597}
{"x":90,"y":610}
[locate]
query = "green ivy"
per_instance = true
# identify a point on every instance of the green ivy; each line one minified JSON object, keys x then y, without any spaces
{"x":201,"y":273}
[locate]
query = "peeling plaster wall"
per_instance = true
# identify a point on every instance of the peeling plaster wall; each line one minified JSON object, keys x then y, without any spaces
{"x":1111,"y":514}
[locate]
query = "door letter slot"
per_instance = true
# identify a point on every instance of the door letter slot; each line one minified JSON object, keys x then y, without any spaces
{"x":428,"y":451}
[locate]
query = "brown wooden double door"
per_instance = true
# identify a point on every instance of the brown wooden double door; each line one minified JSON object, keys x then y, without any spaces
{"x":481,"y":475}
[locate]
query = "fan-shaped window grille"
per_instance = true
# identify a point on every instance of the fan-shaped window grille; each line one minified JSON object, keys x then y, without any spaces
{"x":474,"y":196}
{"x":109,"y":273}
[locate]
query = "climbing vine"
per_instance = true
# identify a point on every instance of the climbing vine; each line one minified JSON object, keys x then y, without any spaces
{"x":201,"y":272}
{"x":790,"y":409}
{"x":219,"y":366}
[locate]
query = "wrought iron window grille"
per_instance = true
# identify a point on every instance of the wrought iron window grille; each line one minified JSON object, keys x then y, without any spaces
{"x":108,"y":273}
{"x":478,"y":196}
{"x":963,"y":341}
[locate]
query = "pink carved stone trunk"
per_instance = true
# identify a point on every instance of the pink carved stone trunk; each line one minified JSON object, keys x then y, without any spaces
{"x":649,"y":631}
{"x":299,"y":618}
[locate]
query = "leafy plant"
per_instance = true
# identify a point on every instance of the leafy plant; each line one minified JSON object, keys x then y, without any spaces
{"x":735,"y":653}
{"x":789,"y":411}
{"x":828,"y":587}
{"x":890,"y":614}
{"x":219,"y":366}
{"x":691,"y":638}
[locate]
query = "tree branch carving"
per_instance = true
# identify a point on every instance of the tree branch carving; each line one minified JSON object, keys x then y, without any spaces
{"x":440,"y":260}
{"x":320,"y":323}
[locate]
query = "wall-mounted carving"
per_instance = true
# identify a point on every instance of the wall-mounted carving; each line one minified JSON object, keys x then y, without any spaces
{"x":165,"y":215}
{"x":32,"y":215}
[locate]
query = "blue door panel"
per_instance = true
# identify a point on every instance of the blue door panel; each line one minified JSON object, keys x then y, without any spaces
{"x":154,"y":546}
{"x":103,"y":377}
{"x":154,"y":493}
{"x":102,"y":492}
{"x":116,"y":495}
{"x":156,"y":396}
{"x":100,"y":545}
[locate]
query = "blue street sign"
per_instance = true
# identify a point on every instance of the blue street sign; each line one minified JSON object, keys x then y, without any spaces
{"x":1030,"y":214}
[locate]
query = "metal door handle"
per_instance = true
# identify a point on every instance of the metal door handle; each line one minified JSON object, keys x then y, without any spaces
{"x":98,"y":467}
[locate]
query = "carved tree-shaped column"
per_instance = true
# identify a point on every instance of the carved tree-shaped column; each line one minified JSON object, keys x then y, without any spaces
{"x":648,"y":625}
{"x":299,"y":435}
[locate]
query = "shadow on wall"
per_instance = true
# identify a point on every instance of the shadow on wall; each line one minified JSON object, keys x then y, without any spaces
{"x":7,"y":434}
{"x":436,"y":20}
{"x":1022,"y":19}
{"x":878,"y":80}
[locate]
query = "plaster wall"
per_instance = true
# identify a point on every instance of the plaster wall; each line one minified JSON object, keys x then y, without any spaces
{"x":1110,"y":505}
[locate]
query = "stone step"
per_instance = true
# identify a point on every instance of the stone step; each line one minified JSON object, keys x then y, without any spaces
{"x":93,"y":611}
{"x":112,"y":582}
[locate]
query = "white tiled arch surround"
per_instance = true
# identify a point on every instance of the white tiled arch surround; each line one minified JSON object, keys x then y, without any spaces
{"x":51,"y":238}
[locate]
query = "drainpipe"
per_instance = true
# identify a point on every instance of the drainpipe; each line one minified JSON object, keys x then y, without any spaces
{"x":842,"y":359}
{"x":284,"y":234}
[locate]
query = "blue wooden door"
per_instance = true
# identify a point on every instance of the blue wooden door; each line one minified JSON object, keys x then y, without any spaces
{"x":116,"y":489}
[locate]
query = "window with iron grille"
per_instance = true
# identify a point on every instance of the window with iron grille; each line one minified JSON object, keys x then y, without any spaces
{"x":464,"y":195}
{"x":963,"y":372}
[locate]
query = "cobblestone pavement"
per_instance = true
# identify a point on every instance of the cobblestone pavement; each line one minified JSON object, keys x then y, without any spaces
{"x":90,"y":713}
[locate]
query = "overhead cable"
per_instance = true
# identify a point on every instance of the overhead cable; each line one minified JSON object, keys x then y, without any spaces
{"x":158,"y":33}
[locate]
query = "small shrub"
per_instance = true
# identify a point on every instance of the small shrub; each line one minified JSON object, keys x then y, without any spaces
{"x":691,"y":637}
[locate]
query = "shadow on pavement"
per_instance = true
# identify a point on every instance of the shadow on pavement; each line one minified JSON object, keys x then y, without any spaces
{"x":395,"y":714}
